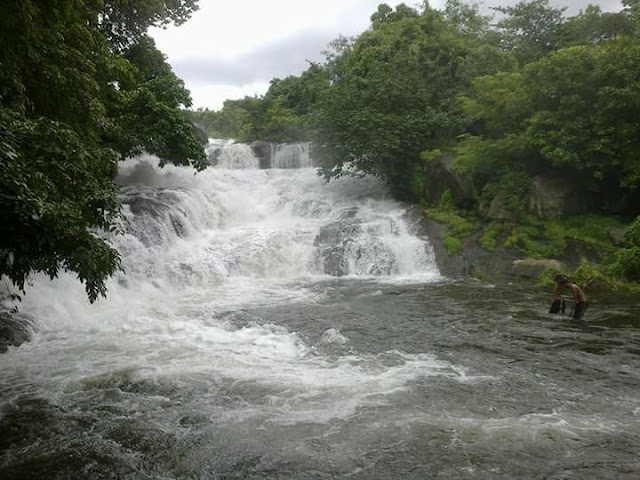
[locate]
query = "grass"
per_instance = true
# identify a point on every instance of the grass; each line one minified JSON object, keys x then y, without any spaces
{"x":459,"y":227}
{"x":537,"y":238}
{"x":452,"y":245}
{"x":457,"y":224}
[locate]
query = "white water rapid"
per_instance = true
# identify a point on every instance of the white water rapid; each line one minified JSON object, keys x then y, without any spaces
{"x":269,"y":325}
{"x":199,"y":246}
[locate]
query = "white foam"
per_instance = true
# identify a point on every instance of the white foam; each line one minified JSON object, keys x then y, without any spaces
{"x":199,"y":246}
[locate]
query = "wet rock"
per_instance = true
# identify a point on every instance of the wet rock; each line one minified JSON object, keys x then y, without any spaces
{"x":499,"y":211}
{"x":15,"y":329}
{"x":555,"y":194}
{"x":264,"y":152}
{"x":475,"y":259}
{"x":440,"y":176}
{"x":533,"y":267}
{"x":332,"y":243}
{"x":350,"y":246}
{"x":435,"y":233}
{"x":213,"y":155}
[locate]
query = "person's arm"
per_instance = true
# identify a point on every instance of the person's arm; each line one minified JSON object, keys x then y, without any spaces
{"x":558,"y":293}
{"x":578,"y":294}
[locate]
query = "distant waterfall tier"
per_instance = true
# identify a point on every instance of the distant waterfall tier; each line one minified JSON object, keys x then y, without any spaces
{"x":259,"y":155}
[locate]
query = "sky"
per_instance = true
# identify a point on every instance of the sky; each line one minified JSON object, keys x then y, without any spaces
{"x":233,"y":48}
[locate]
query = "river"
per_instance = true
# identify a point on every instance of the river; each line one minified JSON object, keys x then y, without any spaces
{"x":269,"y":325}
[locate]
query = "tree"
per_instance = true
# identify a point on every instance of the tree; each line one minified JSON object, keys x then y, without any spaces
{"x":574,"y":110}
{"x":592,"y":26}
{"x":281,"y":115}
{"x":393,"y":95}
{"x":81,"y":87}
{"x":531,"y":29}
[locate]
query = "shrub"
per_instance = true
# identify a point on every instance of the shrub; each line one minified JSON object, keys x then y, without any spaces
{"x":452,"y":245}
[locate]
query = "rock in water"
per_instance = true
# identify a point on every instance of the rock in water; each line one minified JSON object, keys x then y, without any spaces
{"x":15,"y":329}
{"x":264,"y":152}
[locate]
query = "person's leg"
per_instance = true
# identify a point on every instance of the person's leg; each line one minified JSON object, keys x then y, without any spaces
{"x":578,"y":313}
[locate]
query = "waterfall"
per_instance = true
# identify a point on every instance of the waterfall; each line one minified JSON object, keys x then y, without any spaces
{"x":292,"y":155}
{"x":212,"y":262}
{"x":254,"y":229}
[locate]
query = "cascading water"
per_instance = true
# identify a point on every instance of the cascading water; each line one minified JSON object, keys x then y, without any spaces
{"x":270,"y":325}
{"x":292,"y":155}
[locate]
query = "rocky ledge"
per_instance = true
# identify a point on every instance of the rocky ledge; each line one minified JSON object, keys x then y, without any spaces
{"x":499,"y":263}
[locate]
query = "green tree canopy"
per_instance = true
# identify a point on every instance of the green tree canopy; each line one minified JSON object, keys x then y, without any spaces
{"x":531,"y":29}
{"x":394,"y":93}
{"x":81,"y":87}
{"x":574,"y":110}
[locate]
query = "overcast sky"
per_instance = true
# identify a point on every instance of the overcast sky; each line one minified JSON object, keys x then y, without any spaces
{"x":232,"y":48}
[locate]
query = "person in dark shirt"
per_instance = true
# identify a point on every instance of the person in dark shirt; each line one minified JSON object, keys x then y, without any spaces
{"x":581,"y":301}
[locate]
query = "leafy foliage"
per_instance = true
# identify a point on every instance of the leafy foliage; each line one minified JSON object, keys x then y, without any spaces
{"x":395,"y":96}
{"x":574,"y":110}
{"x":281,"y":115}
{"x":81,"y":87}
{"x":531,"y":29}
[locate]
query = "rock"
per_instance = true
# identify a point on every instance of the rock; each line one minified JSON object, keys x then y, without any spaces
{"x":264,"y":152}
{"x":435,"y":233}
{"x":200,"y":133}
{"x":617,"y":234}
{"x":498,"y":211}
{"x":349,"y":246}
{"x":332,"y":242}
{"x":555,"y":194}
{"x":15,"y":329}
{"x":440,"y":176}
{"x":213,"y":155}
{"x":499,"y":264}
{"x":533,"y":267}
{"x":483,"y":263}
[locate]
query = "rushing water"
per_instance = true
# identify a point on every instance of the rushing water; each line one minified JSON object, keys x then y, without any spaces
{"x":271,"y":326}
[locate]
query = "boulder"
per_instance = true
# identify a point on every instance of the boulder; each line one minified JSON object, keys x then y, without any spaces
{"x":15,"y":329}
{"x":264,"y":152}
{"x":617,"y":234}
{"x":533,"y":267}
{"x":499,"y":211}
{"x":440,"y":176}
{"x":213,"y":155}
{"x":555,"y":194}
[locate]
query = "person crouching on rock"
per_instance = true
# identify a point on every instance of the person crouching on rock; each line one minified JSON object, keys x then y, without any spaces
{"x":581,"y":303}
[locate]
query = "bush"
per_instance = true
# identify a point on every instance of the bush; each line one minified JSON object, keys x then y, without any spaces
{"x":632,"y":234}
{"x":492,"y":232}
{"x":590,"y":277}
{"x":452,"y":245}
{"x":457,"y":224}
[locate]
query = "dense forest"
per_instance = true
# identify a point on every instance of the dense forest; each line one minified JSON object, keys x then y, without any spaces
{"x":527,"y":92}
{"x":82,"y":86}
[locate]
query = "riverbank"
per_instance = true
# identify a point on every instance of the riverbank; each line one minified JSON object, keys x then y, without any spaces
{"x":501,"y":252}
